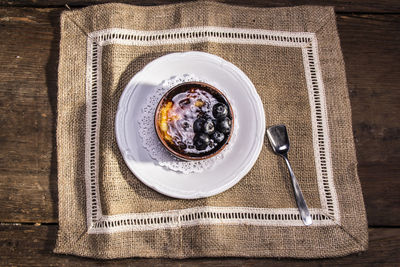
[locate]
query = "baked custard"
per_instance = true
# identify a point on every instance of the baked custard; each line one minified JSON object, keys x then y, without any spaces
{"x":194,"y":120}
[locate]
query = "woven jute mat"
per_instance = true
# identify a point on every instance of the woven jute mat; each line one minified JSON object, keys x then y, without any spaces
{"x":293,"y":57}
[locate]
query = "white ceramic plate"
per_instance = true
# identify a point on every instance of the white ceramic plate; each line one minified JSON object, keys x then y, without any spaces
{"x":224,"y":174}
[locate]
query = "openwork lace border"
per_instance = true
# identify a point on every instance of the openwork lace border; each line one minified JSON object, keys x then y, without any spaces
{"x":99,"y":223}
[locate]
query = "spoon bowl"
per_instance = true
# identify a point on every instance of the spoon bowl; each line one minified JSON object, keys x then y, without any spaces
{"x":279,"y":139}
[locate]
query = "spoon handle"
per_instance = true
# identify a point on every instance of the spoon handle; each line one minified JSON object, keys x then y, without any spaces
{"x":301,"y":203}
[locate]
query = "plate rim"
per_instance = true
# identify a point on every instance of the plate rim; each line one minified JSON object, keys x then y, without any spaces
{"x":189,"y":194}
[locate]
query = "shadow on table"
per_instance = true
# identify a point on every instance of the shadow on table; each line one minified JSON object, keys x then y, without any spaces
{"x":52,"y":89}
{"x":134,"y":67}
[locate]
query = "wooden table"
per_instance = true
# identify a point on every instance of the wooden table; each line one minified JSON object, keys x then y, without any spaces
{"x":29,"y":39}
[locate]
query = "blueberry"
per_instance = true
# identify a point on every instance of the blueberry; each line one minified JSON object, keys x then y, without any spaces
{"x":204,"y":125}
{"x":224,"y":125}
{"x":198,"y":125}
{"x":218,"y":137}
{"x":201,"y":141}
{"x":212,"y":144}
{"x":220,"y":110}
{"x":208,"y":127}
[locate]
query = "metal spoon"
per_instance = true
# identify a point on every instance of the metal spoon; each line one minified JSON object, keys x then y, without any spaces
{"x":279,"y":140}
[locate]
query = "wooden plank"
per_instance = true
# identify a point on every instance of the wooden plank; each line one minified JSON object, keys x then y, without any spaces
{"x":32,"y":245}
{"x":381,"y":190}
{"x":387,"y":6}
{"x":370,"y":47}
{"x":28,"y":92}
{"x":28,"y":189}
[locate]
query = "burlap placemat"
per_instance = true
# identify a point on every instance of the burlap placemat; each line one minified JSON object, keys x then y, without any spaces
{"x":293,"y":57}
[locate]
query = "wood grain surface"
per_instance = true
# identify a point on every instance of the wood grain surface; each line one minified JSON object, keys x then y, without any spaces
{"x":370,"y":40}
{"x":28,"y":92}
{"x":28,"y":89}
{"x":28,"y":245}
{"x":383,"y":6}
